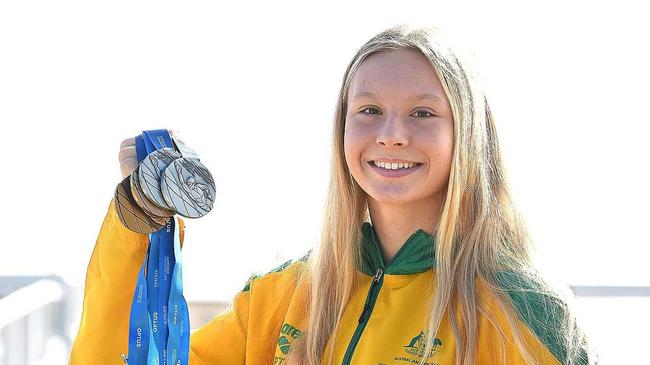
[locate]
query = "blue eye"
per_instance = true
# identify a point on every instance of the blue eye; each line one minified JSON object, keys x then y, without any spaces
{"x":369,"y":108}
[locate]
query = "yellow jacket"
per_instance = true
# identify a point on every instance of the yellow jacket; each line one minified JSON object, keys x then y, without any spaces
{"x":383,"y":323}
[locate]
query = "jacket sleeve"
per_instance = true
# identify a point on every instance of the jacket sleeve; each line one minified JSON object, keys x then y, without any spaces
{"x":222,"y":341}
{"x":540,"y":317}
{"x":108,"y":293}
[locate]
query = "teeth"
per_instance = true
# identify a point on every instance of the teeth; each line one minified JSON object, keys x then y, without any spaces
{"x":394,"y":165}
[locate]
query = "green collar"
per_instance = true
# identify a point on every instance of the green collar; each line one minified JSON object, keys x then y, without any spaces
{"x":416,"y":254}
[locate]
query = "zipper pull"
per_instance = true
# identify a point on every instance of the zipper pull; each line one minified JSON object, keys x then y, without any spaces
{"x":377,"y":275}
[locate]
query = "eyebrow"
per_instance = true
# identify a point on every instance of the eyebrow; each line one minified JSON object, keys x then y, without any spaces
{"x":416,"y":97}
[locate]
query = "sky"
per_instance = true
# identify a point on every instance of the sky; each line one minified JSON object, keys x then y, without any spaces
{"x":252,"y":88}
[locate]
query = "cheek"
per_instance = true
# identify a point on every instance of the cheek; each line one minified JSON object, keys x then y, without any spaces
{"x":447,"y":143}
{"x":444,"y":149}
{"x":353,"y":143}
{"x":443,"y":139}
{"x":348,"y":148}
{"x":438,"y":146}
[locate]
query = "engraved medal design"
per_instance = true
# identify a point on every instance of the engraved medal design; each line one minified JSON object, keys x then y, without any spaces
{"x":155,"y":212}
{"x":188,"y":187}
{"x":129,"y":213}
{"x":150,"y":172}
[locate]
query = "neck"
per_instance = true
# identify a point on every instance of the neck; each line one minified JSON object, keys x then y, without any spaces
{"x":395,"y":223}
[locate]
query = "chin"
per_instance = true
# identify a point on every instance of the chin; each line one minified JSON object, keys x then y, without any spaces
{"x":393,"y":198}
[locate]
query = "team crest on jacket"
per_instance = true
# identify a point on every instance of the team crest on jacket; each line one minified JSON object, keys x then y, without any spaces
{"x":417,"y":346}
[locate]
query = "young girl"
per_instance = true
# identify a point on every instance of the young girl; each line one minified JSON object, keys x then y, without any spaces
{"x":423,"y":257}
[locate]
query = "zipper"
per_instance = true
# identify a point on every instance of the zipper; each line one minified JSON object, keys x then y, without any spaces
{"x":371,"y":298}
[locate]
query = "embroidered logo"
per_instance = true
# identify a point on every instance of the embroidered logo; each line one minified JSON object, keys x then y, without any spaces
{"x":417,"y":346}
{"x":288,"y":333}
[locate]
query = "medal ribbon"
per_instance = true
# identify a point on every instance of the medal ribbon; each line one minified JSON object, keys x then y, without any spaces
{"x":159,"y":287}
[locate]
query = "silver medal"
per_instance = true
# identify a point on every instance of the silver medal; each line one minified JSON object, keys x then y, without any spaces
{"x":150,"y":171}
{"x":155,"y":212}
{"x":187,"y":186}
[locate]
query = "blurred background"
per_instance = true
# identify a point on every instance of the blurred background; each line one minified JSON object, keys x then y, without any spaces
{"x":252,"y":88}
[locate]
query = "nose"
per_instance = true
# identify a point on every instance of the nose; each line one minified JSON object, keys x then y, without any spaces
{"x":393,"y":132}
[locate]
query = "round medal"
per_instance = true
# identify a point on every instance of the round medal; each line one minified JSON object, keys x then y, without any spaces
{"x":155,"y":212}
{"x":129,"y":213}
{"x":188,"y":187}
{"x":150,"y":172}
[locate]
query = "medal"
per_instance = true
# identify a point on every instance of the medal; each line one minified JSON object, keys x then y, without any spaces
{"x":187,"y":186}
{"x":150,"y":172}
{"x":155,"y":212}
{"x":167,"y":181}
{"x":129,"y":213}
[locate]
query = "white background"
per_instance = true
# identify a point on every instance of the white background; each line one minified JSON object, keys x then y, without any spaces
{"x":252,"y":88}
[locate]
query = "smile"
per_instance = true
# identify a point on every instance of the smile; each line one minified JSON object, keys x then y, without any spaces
{"x":395,"y":172}
{"x":395,"y":165}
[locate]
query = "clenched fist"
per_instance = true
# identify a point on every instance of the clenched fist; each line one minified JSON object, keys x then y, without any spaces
{"x":128,"y":157}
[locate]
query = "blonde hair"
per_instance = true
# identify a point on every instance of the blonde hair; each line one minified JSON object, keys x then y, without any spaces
{"x":480,"y":234}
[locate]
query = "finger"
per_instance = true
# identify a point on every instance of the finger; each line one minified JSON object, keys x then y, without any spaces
{"x":127,"y":166}
{"x":131,"y":161}
{"x":128,"y":142}
{"x":127,"y":152}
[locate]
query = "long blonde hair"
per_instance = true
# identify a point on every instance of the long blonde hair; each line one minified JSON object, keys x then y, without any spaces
{"x":480,"y":235}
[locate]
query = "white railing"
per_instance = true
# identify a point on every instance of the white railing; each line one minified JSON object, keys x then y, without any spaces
{"x":584,"y":291}
{"x":32,"y":319}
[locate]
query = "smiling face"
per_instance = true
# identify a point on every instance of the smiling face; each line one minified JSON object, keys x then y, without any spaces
{"x":398,"y":112}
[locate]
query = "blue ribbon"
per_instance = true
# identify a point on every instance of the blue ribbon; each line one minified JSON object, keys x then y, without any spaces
{"x":159,"y":310}
{"x":179,"y":317}
{"x":166,"y":262}
{"x":153,"y":289}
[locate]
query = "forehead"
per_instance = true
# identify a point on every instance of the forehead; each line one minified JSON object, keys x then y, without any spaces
{"x":396,"y":72}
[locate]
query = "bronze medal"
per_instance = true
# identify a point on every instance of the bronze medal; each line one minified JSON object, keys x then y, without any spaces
{"x":188,"y":187}
{"x":129,"y":213}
